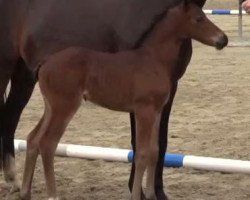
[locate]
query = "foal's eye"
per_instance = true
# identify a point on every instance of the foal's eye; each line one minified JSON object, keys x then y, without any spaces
{"x":199,"y":19}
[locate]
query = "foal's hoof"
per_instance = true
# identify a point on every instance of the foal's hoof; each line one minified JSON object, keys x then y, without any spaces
{"x":142,"y":197}
{"x":25,"y":196}
{"x":152,"y":198}
{"x":15,"y":187}
{"x":150,"y":195}
{"x":11,"y":196}
{"x":161,"y":195}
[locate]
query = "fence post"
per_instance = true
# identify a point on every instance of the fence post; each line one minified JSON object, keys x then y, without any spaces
{"x":240,"y":28}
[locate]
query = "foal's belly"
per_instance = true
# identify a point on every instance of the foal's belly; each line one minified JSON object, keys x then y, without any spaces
{"x":122,"y":89}
{"x":109,"y":99}
{"x":111,"y":91}
{"x":120,"y":101}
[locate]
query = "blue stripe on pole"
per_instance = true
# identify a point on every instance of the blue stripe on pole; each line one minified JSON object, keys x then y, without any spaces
{"x":171,"y":160}
{"x":130,"y":156}
{"x":221,"y":12}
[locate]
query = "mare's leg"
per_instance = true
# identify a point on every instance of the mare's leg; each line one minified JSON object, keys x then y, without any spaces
{"x":31,"y":157}
{"x":132,"y":128}
{"x":22,"y":84}
{"x":5,"y":74}
{"x":147,"y":147}
{"x":6,"y":70}
{"x":163,"y":140}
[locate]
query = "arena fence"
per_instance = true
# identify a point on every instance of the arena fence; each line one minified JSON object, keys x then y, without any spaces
{"x":125,"y":155}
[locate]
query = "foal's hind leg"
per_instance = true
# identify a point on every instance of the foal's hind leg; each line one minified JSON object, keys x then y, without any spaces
{"x":146,"y":154}
{"x":49,"y":141}
{"x":31,"y":157}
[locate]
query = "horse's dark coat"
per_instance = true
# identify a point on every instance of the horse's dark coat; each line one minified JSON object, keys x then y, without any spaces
{"x":31,"y":29}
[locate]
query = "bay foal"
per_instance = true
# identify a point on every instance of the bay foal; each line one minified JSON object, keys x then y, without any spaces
{"x":33,"y":29}
{"x":136,"y":81}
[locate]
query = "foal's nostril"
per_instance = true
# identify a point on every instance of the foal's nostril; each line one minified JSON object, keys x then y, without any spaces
{"x":222,"y":42}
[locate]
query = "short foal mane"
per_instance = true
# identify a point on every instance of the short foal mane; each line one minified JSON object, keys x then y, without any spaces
{"x":155,"y":21}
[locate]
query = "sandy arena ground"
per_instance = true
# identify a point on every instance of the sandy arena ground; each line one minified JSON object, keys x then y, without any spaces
{"x":210,"y":117}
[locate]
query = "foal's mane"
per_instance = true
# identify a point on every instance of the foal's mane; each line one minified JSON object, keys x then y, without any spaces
{"x":154,"y":22}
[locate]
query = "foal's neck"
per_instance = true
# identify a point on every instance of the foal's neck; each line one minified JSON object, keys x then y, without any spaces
{"x":165,"y":40}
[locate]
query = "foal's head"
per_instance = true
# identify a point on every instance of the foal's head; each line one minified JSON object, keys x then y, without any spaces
{"x":194,"y":24}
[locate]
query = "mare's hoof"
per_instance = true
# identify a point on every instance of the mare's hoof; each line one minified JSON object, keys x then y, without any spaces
{"x":161,"y":195}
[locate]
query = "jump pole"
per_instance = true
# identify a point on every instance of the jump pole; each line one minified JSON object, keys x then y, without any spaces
{"x":224,"y":12}
{"x":125,"y":155}
{"x":240,"y":13}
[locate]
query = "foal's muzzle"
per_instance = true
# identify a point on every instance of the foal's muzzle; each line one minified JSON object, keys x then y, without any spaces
{"x":221,"y":42}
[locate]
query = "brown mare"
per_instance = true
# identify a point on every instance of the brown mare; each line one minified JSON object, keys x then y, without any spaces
{"x":32,"y":29}
{"x":137,"y":81}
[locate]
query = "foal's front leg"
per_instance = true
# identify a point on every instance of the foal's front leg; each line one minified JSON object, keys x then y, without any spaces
{"x":147,"y":148}
{"x":163,"y":141}
{"x":154,"y":147}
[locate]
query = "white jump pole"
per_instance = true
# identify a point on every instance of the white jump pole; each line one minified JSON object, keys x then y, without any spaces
{"x":125,"y":155}
{"x":80,"y":151}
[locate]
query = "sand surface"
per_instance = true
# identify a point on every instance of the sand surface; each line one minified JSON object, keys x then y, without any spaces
{"x":210,"y":117}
